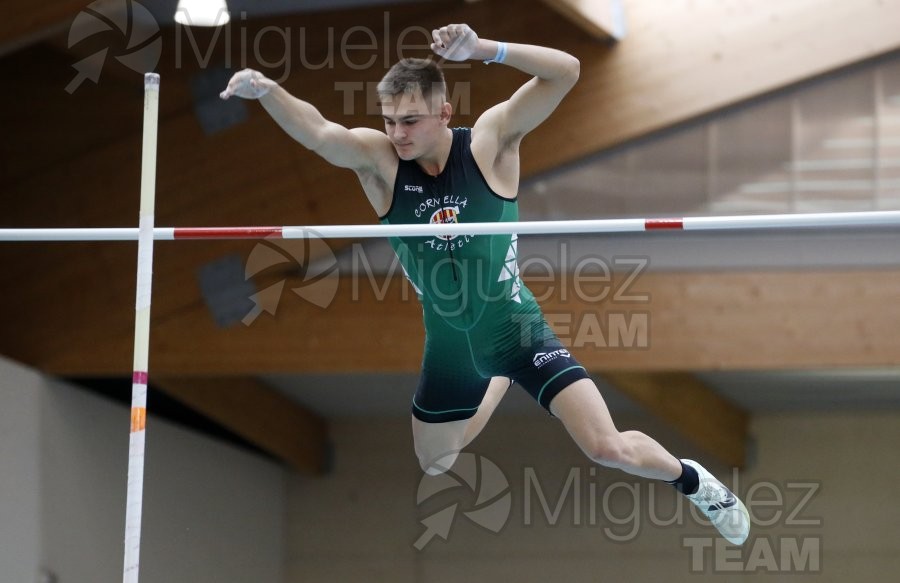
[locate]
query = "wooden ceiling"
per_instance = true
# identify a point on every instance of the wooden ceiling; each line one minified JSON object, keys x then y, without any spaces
{"x":72,"y":159}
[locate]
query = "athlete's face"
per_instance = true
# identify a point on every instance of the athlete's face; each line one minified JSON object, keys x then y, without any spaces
{"x":414,"y":123}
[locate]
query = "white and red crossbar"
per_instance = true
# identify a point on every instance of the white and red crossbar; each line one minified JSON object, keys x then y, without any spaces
{"x":599,"y":226}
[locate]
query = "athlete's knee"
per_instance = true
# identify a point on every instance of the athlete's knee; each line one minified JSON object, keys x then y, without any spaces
{"x":437,"y":456}
{"x":610,"y":450}
{"x":436,"y":465}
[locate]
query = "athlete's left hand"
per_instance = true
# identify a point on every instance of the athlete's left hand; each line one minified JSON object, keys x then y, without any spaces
{"x":456,"y":42}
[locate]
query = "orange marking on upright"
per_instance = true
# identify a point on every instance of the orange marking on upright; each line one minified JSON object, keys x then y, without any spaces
{"x":138,"y":419}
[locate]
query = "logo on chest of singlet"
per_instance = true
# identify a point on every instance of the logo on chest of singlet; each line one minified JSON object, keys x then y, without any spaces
{"x":444,"y":216}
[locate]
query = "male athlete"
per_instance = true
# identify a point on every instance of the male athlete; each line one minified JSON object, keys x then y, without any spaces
{"x":484,"y":329}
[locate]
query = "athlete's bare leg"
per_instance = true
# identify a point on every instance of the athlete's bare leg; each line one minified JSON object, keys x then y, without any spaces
{"x":583,"y":411}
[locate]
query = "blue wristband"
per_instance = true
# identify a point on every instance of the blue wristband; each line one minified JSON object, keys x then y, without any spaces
{"x":500,"y":56}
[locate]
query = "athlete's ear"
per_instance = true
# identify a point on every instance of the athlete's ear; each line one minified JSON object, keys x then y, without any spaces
{"x":446,"y":112}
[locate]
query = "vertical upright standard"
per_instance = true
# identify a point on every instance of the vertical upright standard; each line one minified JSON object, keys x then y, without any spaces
{"x":134,"y":500}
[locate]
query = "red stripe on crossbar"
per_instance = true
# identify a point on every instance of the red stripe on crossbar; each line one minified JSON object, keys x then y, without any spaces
{"x":663,"y":224}
{"x":227,"y":232}
{"x":139,"y":377}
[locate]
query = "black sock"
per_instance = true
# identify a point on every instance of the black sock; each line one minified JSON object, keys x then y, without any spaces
{"x":688,"y":482}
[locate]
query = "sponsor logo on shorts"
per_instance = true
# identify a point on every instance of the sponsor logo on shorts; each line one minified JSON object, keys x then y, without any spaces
{"x":542,"y":358}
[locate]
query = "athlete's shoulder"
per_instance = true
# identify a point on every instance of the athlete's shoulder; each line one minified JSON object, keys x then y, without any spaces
{"x":380,"y":153}
{"x":376,"y":143}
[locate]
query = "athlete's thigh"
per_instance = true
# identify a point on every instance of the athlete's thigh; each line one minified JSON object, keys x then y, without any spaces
{"x":583,"y":411}
{"x":544,"y":367}
{"x":450,"y":386}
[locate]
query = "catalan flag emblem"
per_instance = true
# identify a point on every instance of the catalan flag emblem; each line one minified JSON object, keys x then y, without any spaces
{"x":445,"y":215}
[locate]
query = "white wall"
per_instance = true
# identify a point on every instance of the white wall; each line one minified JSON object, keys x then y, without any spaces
{"x":212,"y":513}
{"x":19,"y":475}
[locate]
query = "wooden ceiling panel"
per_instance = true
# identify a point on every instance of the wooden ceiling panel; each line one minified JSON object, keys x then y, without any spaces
{"x":693,"y":321}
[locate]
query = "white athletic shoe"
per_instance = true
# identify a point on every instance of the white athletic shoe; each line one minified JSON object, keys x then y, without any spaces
{"x":726,"y":512}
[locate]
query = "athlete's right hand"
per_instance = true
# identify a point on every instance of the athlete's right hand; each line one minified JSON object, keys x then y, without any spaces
{"x":248,"y":84}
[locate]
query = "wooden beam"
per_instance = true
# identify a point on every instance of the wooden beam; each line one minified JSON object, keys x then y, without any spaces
{"x":259,"y":414}
{"x":691,"y":322}
{"x":701,"y":415}
{"x":602,"y":19}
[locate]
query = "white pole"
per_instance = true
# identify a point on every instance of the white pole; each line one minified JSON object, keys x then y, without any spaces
{"x":871,"y":219}
{"x":134,"y":500}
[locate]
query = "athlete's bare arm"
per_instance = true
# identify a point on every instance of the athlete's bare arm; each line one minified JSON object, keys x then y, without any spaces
{"x":499,"y":130}
{"x":367,"y":151}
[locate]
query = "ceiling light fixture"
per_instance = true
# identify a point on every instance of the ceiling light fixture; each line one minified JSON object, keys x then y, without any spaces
{"x":202,"y":13}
